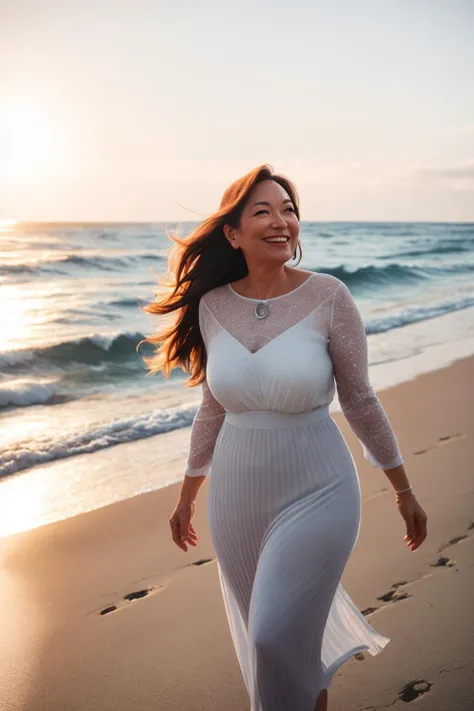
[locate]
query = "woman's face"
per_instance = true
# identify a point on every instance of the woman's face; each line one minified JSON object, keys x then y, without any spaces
{"x":269,"y":212}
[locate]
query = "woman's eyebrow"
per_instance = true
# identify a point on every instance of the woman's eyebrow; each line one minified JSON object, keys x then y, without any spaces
{"x":262,"y":202}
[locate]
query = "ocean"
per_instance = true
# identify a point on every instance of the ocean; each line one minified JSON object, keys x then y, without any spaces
{"x":71,"y":380}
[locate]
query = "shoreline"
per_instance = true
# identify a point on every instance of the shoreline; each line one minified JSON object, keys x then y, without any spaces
{"x":162,"y":458}
{"x":166,"y":645}
{"x":38,"y":440}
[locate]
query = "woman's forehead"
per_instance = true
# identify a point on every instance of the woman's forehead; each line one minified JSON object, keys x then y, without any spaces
{"x":268,"y":190}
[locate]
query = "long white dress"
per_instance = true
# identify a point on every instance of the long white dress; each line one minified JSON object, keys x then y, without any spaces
{"x":284,"y":496}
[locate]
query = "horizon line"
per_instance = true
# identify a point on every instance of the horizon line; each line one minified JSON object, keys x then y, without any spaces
{"x":14,"y":223}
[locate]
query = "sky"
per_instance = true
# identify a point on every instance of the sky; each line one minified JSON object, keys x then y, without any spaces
{"x":147,"y":110}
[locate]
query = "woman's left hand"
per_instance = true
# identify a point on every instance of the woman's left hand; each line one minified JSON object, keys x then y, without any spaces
{"x":415,"y":519}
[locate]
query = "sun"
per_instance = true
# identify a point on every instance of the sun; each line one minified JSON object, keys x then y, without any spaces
{"x":29,"y":140}
{"x":7,"y":224}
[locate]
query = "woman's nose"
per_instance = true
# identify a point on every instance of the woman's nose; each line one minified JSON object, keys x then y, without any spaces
{"x":278,"y":221}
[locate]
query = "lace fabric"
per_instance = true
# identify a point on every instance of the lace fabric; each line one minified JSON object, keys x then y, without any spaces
{"x":321,"y":314}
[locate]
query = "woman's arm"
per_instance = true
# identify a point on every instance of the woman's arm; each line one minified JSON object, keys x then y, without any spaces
{"x":206,"y":426}
{"x":359,"y":402}
{"x":364,"y":412}
{"x":205,"y":429}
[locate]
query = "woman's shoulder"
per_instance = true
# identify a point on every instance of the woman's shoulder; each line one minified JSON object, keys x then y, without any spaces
{"x":324,"y":284}
{"x":213,"y":296}
{"x":215,"y":290}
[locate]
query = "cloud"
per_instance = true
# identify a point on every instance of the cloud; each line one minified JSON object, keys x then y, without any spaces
{"x":462,"y":171}
{"x":455,"y":178}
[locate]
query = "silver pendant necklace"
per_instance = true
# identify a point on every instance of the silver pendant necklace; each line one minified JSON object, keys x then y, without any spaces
{"x":261,"y":309}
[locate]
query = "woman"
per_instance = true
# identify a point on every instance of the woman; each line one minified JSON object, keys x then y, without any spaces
{"x":269,"y":343}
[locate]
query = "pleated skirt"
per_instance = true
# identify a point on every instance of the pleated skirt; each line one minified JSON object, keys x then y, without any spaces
{"x":284,"y":512}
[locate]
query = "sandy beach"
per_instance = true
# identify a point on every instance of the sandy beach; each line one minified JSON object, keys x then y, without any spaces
{"x":102,"y":611}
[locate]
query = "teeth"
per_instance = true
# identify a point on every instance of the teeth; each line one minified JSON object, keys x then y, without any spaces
{"x":278,"y":239}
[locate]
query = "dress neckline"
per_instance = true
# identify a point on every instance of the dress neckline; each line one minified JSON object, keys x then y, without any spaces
{"x":273,"y":298}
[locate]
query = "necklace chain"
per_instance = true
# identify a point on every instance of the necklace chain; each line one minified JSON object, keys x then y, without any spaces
{"x":262,"y":307}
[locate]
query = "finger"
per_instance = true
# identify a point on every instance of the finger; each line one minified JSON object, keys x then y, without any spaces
{"x":421,"y":532}
{"x":181,"y":544}
{"x":190,"y":538}
{"x":417,"y":541}
{"x":410,"y":529}
{"x":176,"y":535}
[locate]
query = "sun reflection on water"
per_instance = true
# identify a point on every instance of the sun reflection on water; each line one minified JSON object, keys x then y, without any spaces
{"x":16,"y":317}
{"x":22,"y":508}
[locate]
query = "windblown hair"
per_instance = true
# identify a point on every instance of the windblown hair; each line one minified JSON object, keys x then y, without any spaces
{"x":197,"y":264}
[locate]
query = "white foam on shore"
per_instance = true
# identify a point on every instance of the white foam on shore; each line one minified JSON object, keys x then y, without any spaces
{"x":23,"y":392}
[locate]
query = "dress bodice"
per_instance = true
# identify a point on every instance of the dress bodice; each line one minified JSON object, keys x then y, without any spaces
{"x":312,"y":341}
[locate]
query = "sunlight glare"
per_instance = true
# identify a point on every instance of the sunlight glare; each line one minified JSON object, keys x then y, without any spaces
{"x":7,"y":224}
{"x":30,"y":143}
{"x":15,"y":318}
{"x":20,"y":509}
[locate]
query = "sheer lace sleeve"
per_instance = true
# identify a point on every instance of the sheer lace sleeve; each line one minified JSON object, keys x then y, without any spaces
{"x":206,"y":424}
{"x":359,"y":402}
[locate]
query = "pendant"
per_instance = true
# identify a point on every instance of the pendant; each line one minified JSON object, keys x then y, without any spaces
{"x":262,"y":309}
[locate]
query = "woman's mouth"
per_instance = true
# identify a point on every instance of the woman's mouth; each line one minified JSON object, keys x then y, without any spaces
{"x":276,"y":240}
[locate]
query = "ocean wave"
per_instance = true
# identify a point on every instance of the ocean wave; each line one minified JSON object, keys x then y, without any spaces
{"x":92,"y":350}
{"x":61,"y":266}
{"x":382,"y":275}
{"x":30,"y":453}
{"x":429,"y":251}
{"x":125,"y":303}
{"x":24,"y":393}
{"x":417,"y":314}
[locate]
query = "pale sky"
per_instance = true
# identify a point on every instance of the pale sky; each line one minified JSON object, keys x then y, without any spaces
{"x":114,"y":110}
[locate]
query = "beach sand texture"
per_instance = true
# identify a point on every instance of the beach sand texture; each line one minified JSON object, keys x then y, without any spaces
{"x":102,"y":611}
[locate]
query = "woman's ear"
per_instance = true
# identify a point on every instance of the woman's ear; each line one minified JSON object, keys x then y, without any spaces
{"x":229,"y":233}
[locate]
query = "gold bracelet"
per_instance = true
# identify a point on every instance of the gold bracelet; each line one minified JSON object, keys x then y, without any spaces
{"x":403,"y":491}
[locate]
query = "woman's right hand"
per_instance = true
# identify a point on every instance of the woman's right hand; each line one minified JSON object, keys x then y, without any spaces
{"x":182,"y":529}
{"x":415,"y":520}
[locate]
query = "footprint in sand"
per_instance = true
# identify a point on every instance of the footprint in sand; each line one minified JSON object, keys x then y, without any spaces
{"x":130,"y":597}
{"x":410,"y":692}
{"x":139,"y":594}
{"x":414,"y":689}
{"x":452,"y":542}
{"x":203,"y":561}
{"x":442,"y":440}
{"x":394,"y":594}
{"x":443,"y":561}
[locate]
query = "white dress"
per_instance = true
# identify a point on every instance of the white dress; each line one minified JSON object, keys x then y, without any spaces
{"x":284,"y":496}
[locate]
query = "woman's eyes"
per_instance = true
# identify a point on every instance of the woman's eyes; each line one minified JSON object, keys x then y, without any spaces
{"x":292,"y":209}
